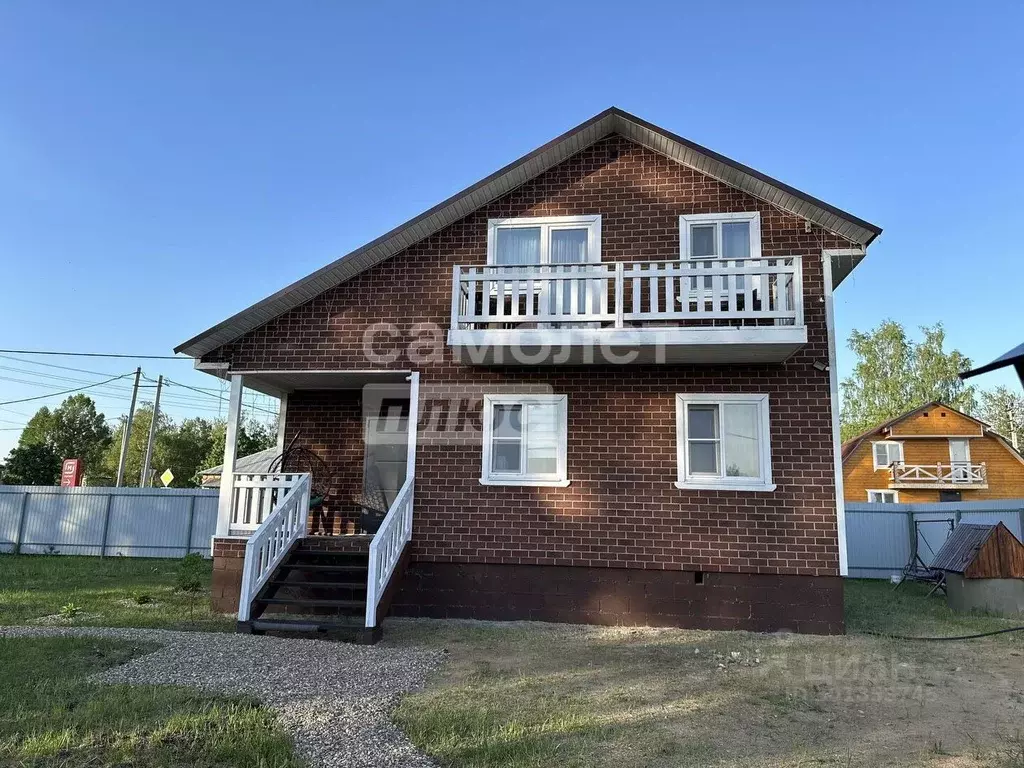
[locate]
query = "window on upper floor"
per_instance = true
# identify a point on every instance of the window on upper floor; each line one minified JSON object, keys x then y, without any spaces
{"x":525,"y":439}
{"x":883,"y":497}
{"x":716,"y":238}
{"x":544,"y":240}
{"x":886,"y":452}
{"x":723,"y":442}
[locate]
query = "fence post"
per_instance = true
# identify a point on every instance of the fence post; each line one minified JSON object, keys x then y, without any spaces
{"x":106,"y":525}
{"x":22,"y":517}
{"x":191,"y":519}
{"x":1020,"y":514}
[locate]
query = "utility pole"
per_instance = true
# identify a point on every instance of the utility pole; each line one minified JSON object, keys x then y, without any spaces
{"x":127,"y":430}
{"x":145,"y":479}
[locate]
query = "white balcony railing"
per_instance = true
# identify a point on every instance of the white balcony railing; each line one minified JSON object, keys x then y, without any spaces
{"x":758,"y":291}
{"x":924,"y":475}
{"x":256,"y":495}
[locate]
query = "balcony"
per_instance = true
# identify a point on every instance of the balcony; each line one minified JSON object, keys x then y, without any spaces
{"x":711,"y":311}
{"x":955,"y":475}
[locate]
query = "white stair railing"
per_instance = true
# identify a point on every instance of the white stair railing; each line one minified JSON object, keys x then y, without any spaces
{"x":386,"y":549}
{"x":266,"y":548}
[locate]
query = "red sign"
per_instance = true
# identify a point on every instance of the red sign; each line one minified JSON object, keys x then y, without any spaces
{"x":71,"y":473}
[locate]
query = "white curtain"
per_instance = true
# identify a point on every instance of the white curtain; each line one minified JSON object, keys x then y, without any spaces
{"x":569,"y":246}
{"x":517,"y":245}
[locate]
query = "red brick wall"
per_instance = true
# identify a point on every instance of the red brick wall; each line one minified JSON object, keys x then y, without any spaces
{"x":330,"y":425}
{"x":226,"y":583}
{"x":621,"y":509}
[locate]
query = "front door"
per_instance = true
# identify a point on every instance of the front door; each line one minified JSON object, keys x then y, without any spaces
{"x":960,"y":459}
{"x":386,"y":451}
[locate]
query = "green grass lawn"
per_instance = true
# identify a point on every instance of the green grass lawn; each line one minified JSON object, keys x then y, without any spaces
{"x":529,"y":696}
{"x":113,"y":591}
{"x":873,"y":606}
{"x":52,"y":716}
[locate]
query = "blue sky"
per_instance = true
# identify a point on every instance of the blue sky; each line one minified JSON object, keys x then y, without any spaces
{"x":163,"y":165}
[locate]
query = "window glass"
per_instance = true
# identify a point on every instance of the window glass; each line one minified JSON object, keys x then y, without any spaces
{"x":505,"y":456}
{"x":702,"y":240}
{"x":724,"y":441}
{"x":527,"y":440}
{"x":736,"y":239}
{"x":568,"y":246}
{"x":507,"y":420}
{"x":740,"y":440}
{"x":703,"y":422}
{"x":517,"y":245}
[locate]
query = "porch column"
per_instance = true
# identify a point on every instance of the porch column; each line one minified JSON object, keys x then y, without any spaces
{"x":227,"y":473}
{"x":282,"y":416}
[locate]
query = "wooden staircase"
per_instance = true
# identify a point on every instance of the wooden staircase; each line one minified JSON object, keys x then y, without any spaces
{"x":318,"y":588}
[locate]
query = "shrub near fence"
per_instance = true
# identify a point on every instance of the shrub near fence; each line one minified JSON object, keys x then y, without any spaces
{"x":878,"y":536}
{"x":134,"y":522}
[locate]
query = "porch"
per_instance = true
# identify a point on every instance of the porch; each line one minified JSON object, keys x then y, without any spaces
{"x":712,"y":310}
{"x":318,"y":540}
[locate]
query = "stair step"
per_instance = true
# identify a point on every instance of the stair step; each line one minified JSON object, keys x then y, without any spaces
{"x":352,"y":631}
{"x":357,"y":585}
{"x":312,"y":602}
{"x":348,"y":568}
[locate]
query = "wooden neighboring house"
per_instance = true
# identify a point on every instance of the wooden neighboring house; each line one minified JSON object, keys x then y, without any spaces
{"x":602,"y":379}
{"x":932,"y":453}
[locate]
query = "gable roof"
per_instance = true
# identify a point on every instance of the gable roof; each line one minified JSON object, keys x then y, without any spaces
{"x":851,"y":445}
{"x":611,"y":121}
{"x":962,"y":547}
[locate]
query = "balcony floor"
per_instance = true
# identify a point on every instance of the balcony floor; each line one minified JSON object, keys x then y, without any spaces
{"x":616,"y":346}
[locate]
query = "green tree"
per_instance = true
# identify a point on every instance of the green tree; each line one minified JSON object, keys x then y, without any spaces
{"x":136,"y":447}
{"x":895,"y":374}
{"x":1004,"y":412}
{"x":253,"y":436}
{"x":32,"y":465}
{"x":37,"y":430}
{"x":185,"y":449}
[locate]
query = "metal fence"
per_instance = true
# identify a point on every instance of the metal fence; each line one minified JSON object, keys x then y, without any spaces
{"x":134,"y":522}
{"x":879,"y":536}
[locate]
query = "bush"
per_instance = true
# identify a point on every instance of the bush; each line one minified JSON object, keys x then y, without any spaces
{"x":191,"y":573}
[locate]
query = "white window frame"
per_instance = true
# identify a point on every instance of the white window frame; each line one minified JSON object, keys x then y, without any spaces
{"x":546,"y":224}
{"x":895,"y":496}
{"x":725,"y":482}
{"x":560,"y":477}
{"x":689,"y":219}
{"x":874,"y":455}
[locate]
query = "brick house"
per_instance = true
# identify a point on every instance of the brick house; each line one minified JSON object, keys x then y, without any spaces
{"x":596,"y":386}
{"x":929,"y":454}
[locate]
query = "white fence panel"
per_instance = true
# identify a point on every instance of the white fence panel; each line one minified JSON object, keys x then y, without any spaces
{"x":133,"y":522}
{"x":878,"y":536}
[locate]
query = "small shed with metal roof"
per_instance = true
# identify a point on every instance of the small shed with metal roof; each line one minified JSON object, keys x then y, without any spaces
{"x":984,"y":568}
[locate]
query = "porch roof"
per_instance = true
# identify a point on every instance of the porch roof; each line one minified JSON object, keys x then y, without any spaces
{"x":611,"y":121}
{"x":277,"y":383}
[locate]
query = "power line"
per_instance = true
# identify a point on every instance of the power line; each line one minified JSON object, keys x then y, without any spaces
{"x":65,"y":392}
{"x":54,"y":365}
{"x":94,"y":354}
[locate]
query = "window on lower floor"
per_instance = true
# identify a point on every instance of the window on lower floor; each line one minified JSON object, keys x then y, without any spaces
{"x":723,"y":442}
{"x":525,"y":440}
{"x":883,"y":497}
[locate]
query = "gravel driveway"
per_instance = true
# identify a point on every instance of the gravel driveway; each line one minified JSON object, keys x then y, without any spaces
{"x":334,"y":699}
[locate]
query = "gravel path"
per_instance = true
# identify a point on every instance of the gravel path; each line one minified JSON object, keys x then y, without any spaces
{"x":335,"y":699}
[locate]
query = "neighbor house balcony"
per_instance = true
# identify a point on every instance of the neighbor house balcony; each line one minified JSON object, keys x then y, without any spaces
{"x":955,"y":475}
{"x":708,"y":311}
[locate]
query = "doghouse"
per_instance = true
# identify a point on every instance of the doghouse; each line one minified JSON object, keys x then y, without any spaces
{"x":984,"y":567}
